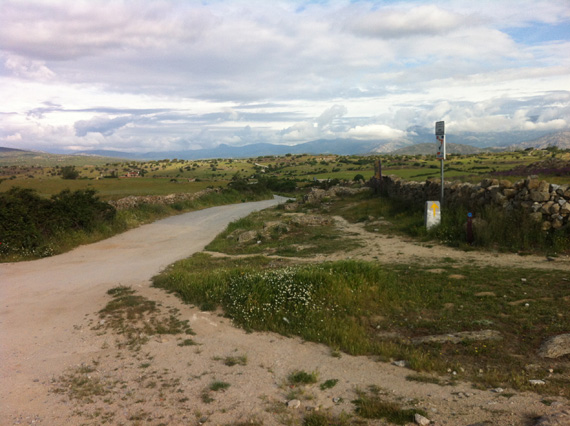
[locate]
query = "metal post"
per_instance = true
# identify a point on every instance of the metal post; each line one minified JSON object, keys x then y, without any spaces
{"x":442,"y":185}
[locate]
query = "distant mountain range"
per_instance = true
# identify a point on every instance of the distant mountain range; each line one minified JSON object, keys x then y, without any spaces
{"x":420,"y":142}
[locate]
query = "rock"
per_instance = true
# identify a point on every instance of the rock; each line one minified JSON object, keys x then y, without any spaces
{"x":421,"y":420}
{"x":294,"y":403}
{"x":311,"y":220}
{"x":247,"y":236}
{"x":535,"y":382}
{"x":400,"y":363}
{"x":336,"y":400}
{"x":290,"y":206}
{"x":538,"y":196}
{"x":275,"y":226}
{"x":498,"y":390}
{"x":460,"y":337}
{"x":486,"y":183}
{"x":485,"y":294}
{"x":557,"y":419}
{"x":555,"y":347}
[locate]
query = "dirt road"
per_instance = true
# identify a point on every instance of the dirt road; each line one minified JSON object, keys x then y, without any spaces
{"x":49,"y":309}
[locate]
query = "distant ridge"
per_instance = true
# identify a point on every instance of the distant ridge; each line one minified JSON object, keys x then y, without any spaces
{"x":559,"y":140}
{"x":4,"y":149}
{"x":430,"y":148}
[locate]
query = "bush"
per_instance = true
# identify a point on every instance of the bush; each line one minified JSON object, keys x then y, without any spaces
{"x":29,"y":222}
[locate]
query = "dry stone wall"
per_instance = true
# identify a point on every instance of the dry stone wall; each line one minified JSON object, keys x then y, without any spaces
{"x":133,"y":201}
{"x":544,"y":202}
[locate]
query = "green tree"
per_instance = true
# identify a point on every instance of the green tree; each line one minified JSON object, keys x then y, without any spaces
{"x":69,"y":172}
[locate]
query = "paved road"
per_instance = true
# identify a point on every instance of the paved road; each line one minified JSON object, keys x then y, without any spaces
{"x":41,"y":300}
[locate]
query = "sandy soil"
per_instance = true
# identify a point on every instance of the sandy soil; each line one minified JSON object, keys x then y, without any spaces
{"x":52,"y":338}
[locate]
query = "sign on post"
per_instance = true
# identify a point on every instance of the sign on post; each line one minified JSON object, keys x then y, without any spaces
{"x":440,"y":137}
{"x":432,"y":214}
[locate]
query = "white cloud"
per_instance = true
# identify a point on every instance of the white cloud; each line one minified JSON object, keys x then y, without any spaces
{"x":375,"y":131}
{"x":396,"y":23}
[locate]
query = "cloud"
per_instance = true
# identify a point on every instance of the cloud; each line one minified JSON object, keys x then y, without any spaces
{"x":156,"y":75}
{"x":397,"y":23}
{"x":104,"y":125}
{"x":375,"y":132}
{"x":27,"y":68}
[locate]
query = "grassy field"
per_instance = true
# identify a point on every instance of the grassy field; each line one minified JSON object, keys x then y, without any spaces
{"x":362,"y":307}
{"x":170,"y":176}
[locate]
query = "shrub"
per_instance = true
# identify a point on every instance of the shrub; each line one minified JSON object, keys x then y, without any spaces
{"x":29,"y":222}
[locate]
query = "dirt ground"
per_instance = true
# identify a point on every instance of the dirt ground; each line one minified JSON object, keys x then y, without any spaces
{"x":61,"y":365}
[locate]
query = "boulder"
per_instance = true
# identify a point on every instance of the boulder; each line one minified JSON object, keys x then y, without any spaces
{"x":247,"y":236}
{"x":555,"y":347}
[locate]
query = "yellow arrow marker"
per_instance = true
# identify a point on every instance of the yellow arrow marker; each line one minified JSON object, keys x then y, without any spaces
{"x":434,"y":208}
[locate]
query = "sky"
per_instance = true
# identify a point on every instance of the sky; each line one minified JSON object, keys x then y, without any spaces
{"x":140,"y":76}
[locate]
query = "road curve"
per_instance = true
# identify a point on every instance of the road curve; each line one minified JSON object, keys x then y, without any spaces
{"x":41,"y":300}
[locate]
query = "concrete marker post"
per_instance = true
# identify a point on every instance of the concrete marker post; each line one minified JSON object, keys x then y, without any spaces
{"x":432,"y":214}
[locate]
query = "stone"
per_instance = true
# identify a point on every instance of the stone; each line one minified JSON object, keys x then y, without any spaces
{"x":311,"y":220}
{"x":561,"y":418}
{"x":485,"y":293}
{"x":536,"y":382}
{"x":546,"y":226}
{"x":498,"y":390}
{"x":421,"y":420}
{"x":294,"y":403}
{"x":546,"y":207}
{"x":400,"y":363}
{"x":532,"y":184}
{"x":565,"y":209}
{"x":276,"y":226}
{"x":485,"y":183}
{"x":509,"y":192}
{"x":503,"y":183}
{"x":555,"y":347}
{"x":555,"y":208}
{"x":247,"y":236}
{"x":539,"y":196}
{"x":460,"y":337}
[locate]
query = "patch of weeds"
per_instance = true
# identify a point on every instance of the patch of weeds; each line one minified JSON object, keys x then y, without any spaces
{"x":300,"y":377}
{"x":218,"y":385}
{"x":328,"y":384}
{"x":372,"y":406}
{"x":145,"y":365}
{"x":423,"y":379}
{"x":230,"y":361}
{"x":325,"y":419}
{"x":187,"y":342}
{"x":336,"y":353}
{"x":206,"y":397}
{"x":135,"y":318}
{"x":82,"y":383}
